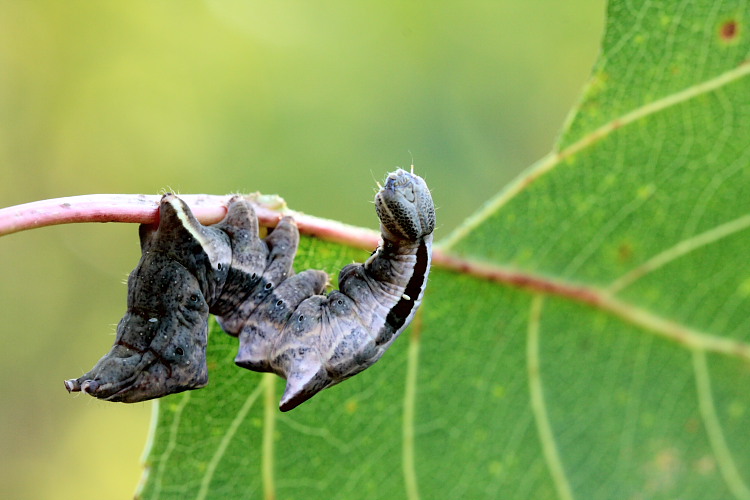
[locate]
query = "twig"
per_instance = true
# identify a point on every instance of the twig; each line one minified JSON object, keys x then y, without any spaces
{"x":143,"y":209}
{"x":210,"y":209}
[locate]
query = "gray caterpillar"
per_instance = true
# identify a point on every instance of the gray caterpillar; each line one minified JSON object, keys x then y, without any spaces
{"x":315,"y":341}
{"x":285,"y":326}
{"x":186,"y":272}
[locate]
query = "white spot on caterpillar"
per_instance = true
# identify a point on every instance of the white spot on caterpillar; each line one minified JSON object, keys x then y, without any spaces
{"x":405,"y":297}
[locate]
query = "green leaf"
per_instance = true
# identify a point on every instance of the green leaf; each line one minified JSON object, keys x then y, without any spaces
{"x":596,"y":344}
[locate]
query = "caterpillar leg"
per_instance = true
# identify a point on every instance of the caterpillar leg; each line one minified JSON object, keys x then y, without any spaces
{"x":282,"y":246}
{"x":303,"y":384}
{"x":297,"y":356}
{"x":261,"y":331}
{"x":352,"y":328}
{"x":249,"y":260}
{"x":259,"y":272}
{"x":249,"y":253}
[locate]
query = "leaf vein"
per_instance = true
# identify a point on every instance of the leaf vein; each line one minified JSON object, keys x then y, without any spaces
{"x":410,"y":390}
{"x":707,"y":406}
{"x":171,"y":444}
{"x":225,"y":441}
{"x":682,"y":248}
{"x":538,"y":406}
{"x":601,"y":299}
{"x":319,"y":432}
{"x":707,"y":194}
{"x":269,"y":430}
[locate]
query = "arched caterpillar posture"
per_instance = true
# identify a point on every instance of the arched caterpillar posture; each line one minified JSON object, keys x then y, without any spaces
{"x":316,"y":341}
{"x":284,"y":323}
{"x":186,"y":271}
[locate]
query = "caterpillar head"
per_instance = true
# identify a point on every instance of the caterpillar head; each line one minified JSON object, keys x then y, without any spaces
{"x":405,"y":208}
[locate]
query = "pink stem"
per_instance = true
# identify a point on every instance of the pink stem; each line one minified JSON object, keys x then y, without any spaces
{"x":143,"y":209}
{"x":210,"y":209}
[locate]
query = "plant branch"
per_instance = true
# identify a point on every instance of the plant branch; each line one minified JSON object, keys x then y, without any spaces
{"x":210,"y":209}
{"x":144,"y":209}
{"x":599,"y":299}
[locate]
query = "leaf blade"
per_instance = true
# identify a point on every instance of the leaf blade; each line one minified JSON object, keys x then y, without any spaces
{"x":632,"y":387}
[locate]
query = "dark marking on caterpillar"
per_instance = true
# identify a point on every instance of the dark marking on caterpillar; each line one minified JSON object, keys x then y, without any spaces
{"x":315,"y":341}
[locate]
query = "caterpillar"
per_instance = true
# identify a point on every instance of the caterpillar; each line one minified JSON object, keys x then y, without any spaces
{"x":284,"y":321}
{"x":317,"y":341}
{"x":186,"y":271}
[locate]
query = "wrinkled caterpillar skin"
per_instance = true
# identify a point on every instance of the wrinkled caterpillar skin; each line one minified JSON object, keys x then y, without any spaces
{"x":316,"y":341}
{"x":285,"y":324}
{"x":186,"y":271}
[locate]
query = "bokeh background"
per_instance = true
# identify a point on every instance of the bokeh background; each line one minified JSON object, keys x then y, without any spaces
{"x":312,"y":100}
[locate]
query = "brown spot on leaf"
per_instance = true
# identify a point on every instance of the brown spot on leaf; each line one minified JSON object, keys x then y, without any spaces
{"x":729,"y":30}
{"x":693,"y":425}
{"x":625,"y":252}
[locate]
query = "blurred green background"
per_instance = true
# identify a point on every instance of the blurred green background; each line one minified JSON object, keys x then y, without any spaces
{"x":314,"y":101}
